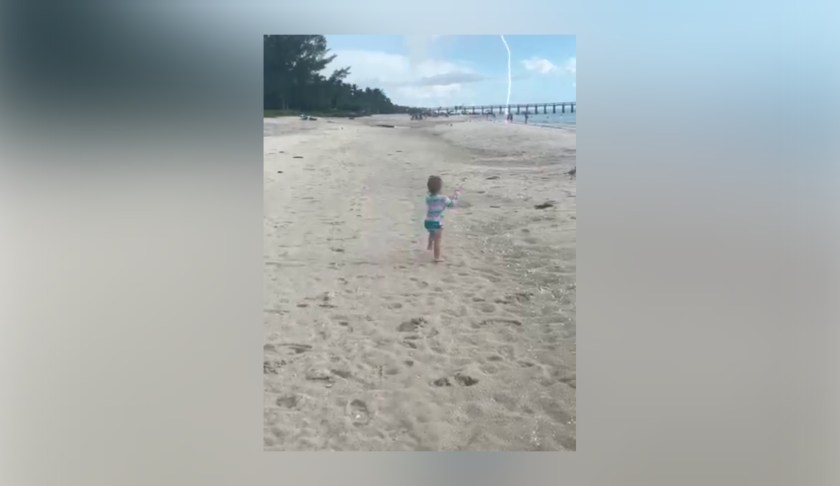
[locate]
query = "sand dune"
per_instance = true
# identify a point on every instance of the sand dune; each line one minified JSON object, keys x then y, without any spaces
{"x":371,"y":346}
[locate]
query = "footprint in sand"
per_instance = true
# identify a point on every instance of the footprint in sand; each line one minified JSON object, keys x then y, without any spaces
{"x":442,"y":382}
{"x":321,"y":375}
{"x":460,"y":379}
{"x":487,"y":308}
{"x":412,"y":325}
{"x":341,"y":373}
{"x":293,"y":347}
{"x":288,"y":401}
{"x":487,"y":322}
{"x":570,"y":380}
{"x":271,"y":367}
{"x":507,"y":352}
{"x":465,"y":380}
{"x":358,"y":412}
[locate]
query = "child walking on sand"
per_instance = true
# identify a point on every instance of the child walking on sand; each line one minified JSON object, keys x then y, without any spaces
{"x":436,"y":204}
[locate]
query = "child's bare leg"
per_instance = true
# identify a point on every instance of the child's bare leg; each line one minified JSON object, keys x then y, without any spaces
{"x":431,"y":240}
{"x":438,"y":235}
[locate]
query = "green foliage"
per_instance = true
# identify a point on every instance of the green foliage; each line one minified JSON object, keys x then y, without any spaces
{"x":292,"y":81}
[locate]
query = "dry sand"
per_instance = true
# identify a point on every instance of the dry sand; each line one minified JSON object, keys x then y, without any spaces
{"x":371,"y":346}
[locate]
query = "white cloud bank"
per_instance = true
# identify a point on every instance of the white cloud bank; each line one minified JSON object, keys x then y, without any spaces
{"x":407,"y":80}
{"x":544,"y":66}
{"x":540,"y":65}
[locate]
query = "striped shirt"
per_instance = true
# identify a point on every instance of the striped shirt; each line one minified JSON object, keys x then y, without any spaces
{"x":436,"y":205}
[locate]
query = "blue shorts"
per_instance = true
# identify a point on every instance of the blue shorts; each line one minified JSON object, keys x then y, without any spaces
{"x":432,"y":226}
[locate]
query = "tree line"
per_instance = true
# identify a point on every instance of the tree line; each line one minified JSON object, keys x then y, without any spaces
{"x":292,"y":80}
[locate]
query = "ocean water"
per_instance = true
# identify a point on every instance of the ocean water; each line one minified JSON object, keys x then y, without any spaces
{"x":551,"y":120}
{"x":548,"y":119}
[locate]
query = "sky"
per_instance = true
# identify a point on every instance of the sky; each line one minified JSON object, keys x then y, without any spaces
{"x":432,"y":71}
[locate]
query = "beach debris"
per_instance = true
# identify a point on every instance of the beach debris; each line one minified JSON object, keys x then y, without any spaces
{"x":279,"y":171}
{"x":297,"y":156}
{"x":383,"y":125}
{"x":492,"y":178}
{"x":547,"y":204}
{"x":572,"y":173}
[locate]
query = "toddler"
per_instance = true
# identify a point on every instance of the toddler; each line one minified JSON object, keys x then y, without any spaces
{"x":436,"y":204}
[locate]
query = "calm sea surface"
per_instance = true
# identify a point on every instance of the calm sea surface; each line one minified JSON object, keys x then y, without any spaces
{"x":548,"y":120}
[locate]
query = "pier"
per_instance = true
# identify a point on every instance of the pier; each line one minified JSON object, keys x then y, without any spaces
{"x":517,"y":109}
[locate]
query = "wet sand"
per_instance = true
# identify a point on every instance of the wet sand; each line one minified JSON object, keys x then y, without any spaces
{"x":368,"y":344}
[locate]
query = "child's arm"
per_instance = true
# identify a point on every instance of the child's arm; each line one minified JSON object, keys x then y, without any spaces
{"x":453,"y":200}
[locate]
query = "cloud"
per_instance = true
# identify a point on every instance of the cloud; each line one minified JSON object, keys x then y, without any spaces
{"x":544,"y":66}
{"x":407,"y":80}
{"x":540,"y":65}
{"x":454,"y":77}
{"x":429,"y":93}
{"x":571,"y":66}
{"x":418,"y":47}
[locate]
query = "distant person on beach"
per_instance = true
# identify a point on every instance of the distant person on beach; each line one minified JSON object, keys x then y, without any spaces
{"x":436,"y":204}
{"x":526,"y":118}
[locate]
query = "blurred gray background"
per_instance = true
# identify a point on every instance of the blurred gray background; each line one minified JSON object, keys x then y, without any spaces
{"x":131,"y":202}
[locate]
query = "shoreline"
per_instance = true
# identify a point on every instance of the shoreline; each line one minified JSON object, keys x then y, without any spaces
{"x":399,"y":119}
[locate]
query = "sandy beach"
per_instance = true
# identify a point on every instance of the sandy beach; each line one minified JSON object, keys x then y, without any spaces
{"x":369,"y":345}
